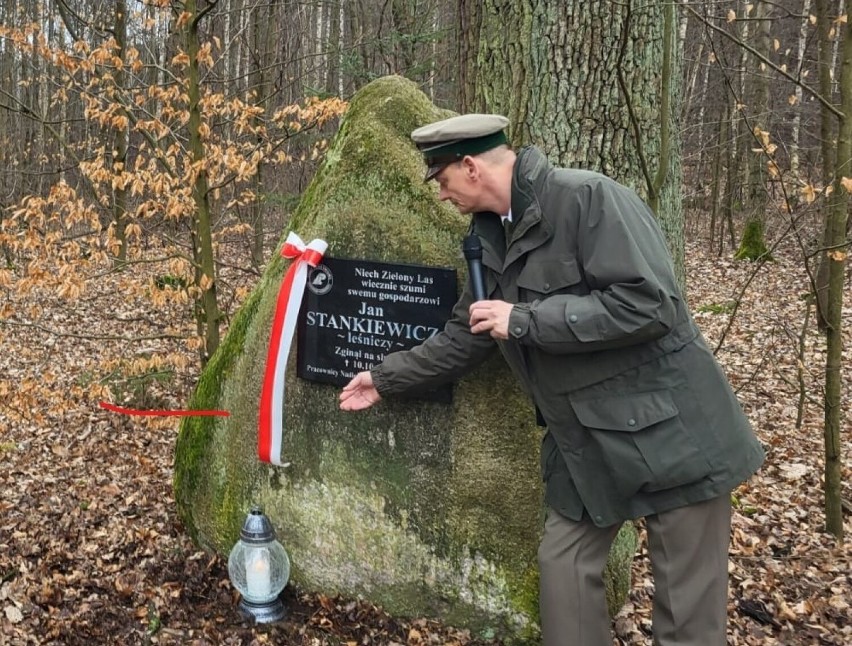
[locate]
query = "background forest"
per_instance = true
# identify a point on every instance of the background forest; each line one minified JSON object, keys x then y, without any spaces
{"x":151,"y":152}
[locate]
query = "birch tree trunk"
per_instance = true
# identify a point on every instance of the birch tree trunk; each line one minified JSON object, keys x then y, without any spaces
{"x":240,"y":65}
{"x":318,"y":76}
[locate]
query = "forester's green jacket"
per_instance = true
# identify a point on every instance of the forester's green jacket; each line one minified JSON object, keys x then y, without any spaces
{"x":640,"y":417}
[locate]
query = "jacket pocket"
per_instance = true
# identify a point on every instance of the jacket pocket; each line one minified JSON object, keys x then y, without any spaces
{"x":547,"y":277}
{"x":643,"y":441}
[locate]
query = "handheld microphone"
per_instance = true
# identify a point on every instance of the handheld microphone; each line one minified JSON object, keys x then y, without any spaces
{"x":472,"y":249}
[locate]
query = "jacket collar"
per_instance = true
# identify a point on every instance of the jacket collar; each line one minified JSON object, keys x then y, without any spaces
{"x":529,"y":230}
{"x":531,"y":166}
{"x":489,"y":228}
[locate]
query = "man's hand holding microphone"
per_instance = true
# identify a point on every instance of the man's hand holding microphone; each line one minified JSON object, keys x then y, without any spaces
{"x":485,"y":316}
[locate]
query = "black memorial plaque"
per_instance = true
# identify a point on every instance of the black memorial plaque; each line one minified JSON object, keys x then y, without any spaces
{"x":356,"y":312}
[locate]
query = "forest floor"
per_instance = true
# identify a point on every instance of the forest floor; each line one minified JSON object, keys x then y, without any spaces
{"x":92,"y":551}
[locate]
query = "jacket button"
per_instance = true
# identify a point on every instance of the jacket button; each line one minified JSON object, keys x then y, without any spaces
{"x":573,"y":318}
{"x":546,"y":287}
{"x":599,"y":518}
{"x":631,"y":422}
{"x":517,"y":330}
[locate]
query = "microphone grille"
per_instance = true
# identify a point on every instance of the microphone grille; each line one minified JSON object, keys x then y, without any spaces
{"x":472,"y":246}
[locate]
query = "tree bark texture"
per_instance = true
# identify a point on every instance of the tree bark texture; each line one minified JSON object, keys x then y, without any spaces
{"x":828,"y":128}
{"x":202,"y":233}
{"x":797,"y":92}
{"x":753,"y":242}
{"x":120,"y":137}
{"x":553,"y":69}
{"x":257,"y":91}
{"x":835,"y":259}
{"x":723,"y":135}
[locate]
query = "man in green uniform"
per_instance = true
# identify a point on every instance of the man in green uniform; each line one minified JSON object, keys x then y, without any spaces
{"x":583,"y":303}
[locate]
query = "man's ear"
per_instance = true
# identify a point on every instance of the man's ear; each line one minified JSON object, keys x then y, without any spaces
{"x":471,"y":168}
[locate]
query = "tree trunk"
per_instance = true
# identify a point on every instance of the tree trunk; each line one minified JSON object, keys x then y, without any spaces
{"x":404,"y":29}
{"x":553,"y":69}
{"x":319,"y":33}
{"x":732,"y":190}
{"x":238,"y":46}
{"x":261,"y":41}
{"x":835,"y":259}
{"x":715,"y":194}
{"x":207,"y":307}
{"x":229,"y":51}
{"x":753,"y":242}
{"x":9,"y":120}
{"x":797,"y":118}
{"x":828,"y":125}
{"x":334,"y":47}
{"x":469,"y":24}
{"x":119,"y":208}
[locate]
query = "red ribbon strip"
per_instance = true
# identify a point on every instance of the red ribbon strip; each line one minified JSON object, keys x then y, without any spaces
{"x":164,"y":413}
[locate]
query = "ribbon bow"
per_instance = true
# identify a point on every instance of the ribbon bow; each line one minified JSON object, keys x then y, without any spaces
{"x":271,"y":417}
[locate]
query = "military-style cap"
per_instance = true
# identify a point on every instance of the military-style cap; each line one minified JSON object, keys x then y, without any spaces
{"x":447,"y":141}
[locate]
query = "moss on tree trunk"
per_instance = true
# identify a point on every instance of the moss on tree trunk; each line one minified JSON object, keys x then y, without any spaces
{"x":753,"y":244}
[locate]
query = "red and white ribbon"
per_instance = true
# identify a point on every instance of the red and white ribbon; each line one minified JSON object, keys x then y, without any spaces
{"x":271,"y":418}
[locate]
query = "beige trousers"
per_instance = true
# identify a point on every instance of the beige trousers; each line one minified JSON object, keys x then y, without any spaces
{"x":689,"y":558}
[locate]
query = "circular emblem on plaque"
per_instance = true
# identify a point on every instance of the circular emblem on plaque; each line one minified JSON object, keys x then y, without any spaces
{"x":320,"y":280}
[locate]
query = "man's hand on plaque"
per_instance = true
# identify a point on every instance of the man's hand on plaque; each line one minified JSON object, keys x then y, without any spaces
{"x":360,"y":393}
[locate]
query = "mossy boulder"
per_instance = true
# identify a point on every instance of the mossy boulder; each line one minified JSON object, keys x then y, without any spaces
{"x":428,"y":509}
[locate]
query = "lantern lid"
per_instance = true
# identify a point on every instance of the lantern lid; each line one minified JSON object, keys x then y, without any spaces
{"x":257,"y":528}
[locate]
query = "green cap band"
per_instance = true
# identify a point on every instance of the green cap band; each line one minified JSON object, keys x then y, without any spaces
{"x":449,"y":152}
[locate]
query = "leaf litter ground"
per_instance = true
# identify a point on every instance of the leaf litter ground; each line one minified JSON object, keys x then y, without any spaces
{"x":91,"y":550}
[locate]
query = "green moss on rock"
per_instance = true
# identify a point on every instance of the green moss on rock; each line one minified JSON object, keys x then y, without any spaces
{"x":197,"y":434}
{"x":617,"y":574}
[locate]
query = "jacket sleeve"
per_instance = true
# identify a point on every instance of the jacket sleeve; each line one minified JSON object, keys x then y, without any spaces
{"x":633,"y":298}
{"x":439,"y":360}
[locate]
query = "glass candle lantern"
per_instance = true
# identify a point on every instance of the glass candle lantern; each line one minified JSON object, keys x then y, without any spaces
{"x":259,"y":568}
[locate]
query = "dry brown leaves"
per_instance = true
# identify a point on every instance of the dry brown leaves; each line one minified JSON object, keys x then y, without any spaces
{"x":790,"y":582}
{"x":91,"y":550}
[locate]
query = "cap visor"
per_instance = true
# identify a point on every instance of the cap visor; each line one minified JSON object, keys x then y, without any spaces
{"x":434,"y":170}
